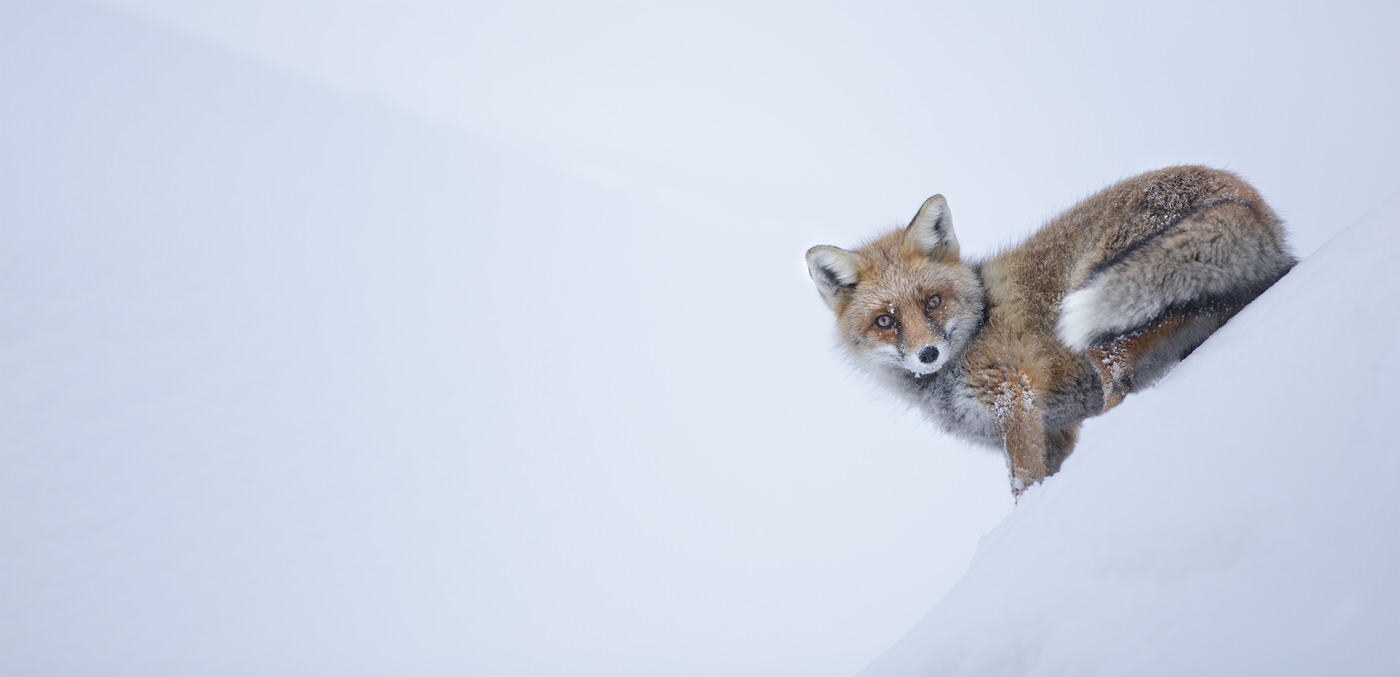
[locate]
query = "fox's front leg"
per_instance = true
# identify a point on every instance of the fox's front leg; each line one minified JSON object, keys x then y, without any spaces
{"x":1017,"y":410}
{"x":1009,"y":382}
{"x":1025,"y":452}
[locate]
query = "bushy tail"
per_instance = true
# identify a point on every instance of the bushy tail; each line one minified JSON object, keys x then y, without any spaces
{"x":1215,"y":260}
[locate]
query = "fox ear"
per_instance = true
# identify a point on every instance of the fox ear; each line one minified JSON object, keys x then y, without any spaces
{"x":834,"y":270}
{"x":931,"y":231}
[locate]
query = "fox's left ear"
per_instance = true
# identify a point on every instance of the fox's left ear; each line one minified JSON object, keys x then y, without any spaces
{"x":835,"y":271}
{"x":931,"y":231}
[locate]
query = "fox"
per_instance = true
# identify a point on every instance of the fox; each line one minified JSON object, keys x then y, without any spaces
{"x":1014,"y":351}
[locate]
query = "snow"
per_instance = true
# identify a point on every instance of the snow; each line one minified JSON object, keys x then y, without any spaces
{"x":1222,"y":523}
{"x":350,"y":338}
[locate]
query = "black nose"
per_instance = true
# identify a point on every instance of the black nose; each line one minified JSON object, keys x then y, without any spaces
{"x":928,"y":355}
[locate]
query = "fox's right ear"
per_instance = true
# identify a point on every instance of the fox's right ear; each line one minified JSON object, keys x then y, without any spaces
{"x":931,"y":231}
{"x":835,"y":271}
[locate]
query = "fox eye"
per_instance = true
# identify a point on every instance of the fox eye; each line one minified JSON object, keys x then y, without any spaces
{"x":933,"y":302}
{"x":885,"y":321}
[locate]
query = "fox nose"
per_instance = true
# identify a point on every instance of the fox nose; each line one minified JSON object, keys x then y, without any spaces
{"x":928,"y":355}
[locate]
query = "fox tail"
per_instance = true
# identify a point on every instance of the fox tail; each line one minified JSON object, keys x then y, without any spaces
{"x":1213,"y":261}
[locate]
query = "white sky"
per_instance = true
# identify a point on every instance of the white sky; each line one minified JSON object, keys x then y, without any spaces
{"x":846,"y":115}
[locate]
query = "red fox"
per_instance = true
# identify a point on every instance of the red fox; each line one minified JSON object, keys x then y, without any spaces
{"x":1017,"y":349}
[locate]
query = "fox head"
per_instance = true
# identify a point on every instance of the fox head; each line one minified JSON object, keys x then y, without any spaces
{"x":905,"y":305}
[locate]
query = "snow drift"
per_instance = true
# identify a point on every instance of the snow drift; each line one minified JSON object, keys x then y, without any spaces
{"x":1241,"y":517}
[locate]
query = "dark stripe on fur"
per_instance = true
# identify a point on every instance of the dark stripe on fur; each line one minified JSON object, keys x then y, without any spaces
{"x":1134,"y":247}
{"x":1231,"y":303}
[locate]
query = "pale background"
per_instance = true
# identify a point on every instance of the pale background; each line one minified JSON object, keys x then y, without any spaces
{"x":475,"y":337}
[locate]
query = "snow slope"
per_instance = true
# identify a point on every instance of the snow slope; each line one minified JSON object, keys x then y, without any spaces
{"x":1241,"y":518}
